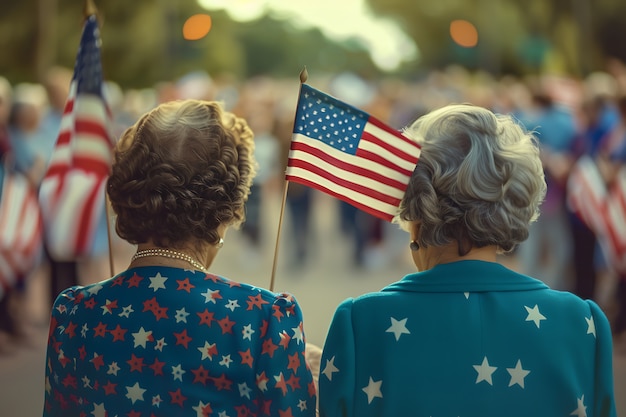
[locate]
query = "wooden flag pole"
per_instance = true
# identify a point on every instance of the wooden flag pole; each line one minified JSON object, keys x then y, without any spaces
{"x":303,"y":77}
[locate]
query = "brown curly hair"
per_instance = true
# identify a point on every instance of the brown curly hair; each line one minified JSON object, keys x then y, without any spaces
{"x":180,"y":172}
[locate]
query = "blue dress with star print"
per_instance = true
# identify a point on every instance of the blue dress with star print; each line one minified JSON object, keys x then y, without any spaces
{"x":467,"y":339}
{"x":167,"y":342}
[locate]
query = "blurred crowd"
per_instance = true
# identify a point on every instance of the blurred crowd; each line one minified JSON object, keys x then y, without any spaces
{"x":571,"y":117}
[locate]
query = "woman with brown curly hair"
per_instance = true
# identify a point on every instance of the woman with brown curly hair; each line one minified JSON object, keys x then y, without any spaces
{"x":166,"y":337}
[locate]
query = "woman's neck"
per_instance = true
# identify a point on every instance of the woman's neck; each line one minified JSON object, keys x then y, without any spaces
{"x":426,"y":258}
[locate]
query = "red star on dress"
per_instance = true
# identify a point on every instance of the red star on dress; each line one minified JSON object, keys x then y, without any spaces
{"x":213,"y":278}
{"x":79,"y":298}
{"x":160,"y":313}
{"x":226,"y":324}
{"x":109,"y":388}
{"x":69,"y":380}
{"x":294,"y":362}
{"x":185,"y":285}
{"x":82,"y":352}
{"x":246,"y":358}
{"x":118,"y":281}
{"x":232,"y":284}
{"x":135,"y":363}
{"x":267,"y":404}
{"x":134,"y":280}
{"x":150,"y":305}
{"x":157,"y":367}
{"x":286,"y":413}
{"x":98,"y":361}
{"x":269,"y":347}
{"x":206,"y":317}
{"x":264,"y":326}
{"x":311,"y":388}
{"x":90,"y":303}
{"x":222,"y":382}
{"x":110,"y":305}
{"x":201,"y":375}
{"x":293,"y":382}
{"x":134,"y":414}
{"x":281,"y":383}
{"x":277,"y":313}
{"x":100,"y":330}
{"x":183,"y":339}
{"x":70,"y":329}
{"x":284,"y":339}
{"x":118,"y":333}
{"x":242,"y":411}
{"x":256,"y":301}
{"x":177,"y":397}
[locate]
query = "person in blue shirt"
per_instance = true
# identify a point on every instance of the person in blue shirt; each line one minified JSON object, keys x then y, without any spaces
{"x":465,"y":335}
{"x":166,"y":337}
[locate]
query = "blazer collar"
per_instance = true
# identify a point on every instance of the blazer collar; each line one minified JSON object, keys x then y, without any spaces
{"x":466,"y":276}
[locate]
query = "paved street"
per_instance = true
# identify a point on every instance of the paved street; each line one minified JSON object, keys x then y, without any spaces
{"x":319,"y":286}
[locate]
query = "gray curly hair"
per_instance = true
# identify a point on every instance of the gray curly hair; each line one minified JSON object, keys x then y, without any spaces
{"x":479,"y":180}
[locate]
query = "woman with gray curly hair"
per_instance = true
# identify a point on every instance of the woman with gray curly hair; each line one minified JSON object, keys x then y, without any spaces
{"x":166,"y":337}
{"x":466,"y":336}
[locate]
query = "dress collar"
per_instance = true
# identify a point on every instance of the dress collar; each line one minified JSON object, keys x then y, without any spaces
{"x":466,"y":276}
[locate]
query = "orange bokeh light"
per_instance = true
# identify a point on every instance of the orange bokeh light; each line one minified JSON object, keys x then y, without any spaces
{"x":197,"y":27}
{"x":464,"y":33}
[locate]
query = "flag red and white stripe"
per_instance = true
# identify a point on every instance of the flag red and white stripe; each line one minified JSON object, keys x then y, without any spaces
{"x":22,"y":228}
{"x":72,"y":191}
{"x":346,"y":153}
{"x":602,"y":209}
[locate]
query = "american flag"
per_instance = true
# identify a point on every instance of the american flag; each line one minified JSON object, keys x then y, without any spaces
{"x":21,"y":226}
{"x":601,"y":208}
{"x":72,"y":191}
{"x":350,"y":155}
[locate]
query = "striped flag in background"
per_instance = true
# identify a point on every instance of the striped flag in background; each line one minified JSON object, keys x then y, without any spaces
{"x":21,"y":226}
{"x":72,"y":191}
{"x":602,"y":209}
{"x":346,"y":153}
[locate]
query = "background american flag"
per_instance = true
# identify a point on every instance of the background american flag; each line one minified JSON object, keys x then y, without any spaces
{"x":72,"y":191}
{"x":346,"y":153}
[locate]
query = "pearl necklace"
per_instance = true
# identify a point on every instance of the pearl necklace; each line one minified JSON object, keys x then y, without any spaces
{"x":168,"y":253}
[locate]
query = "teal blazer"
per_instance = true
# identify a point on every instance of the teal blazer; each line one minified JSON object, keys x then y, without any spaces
{"x":467,"y":339}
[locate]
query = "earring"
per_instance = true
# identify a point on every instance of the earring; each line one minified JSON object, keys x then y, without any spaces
{"x":414,"y":246}
{"x":220,"y":243}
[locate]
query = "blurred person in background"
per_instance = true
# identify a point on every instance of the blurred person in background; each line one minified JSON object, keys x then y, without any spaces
{"x":465,"y":335}
{"x":597,"y":119}
{"x":165,"y":334}
{"x":547,"y":253}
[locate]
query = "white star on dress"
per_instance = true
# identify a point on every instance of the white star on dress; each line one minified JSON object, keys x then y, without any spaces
{"x":517,"y":374}
{"x":126,"y":311}
{"x":181,"y":315}
{"x":534,"y":315}
{"x":160,"y":344}
{"x":297,"y":334}
{"x":156,"y":400}
{"x":244,"y":390}
{"x":466,"y":294}
{"x":113,"y":368}
{"x":141,"y":337}
{"x":330,"y":368}
{"x":247,"y":332}
{"x":177,"y":372}
{"x":208,"y":296}
{"x":591,"y":326}
{"x":373,"y":390}
{"x":302,"y":405}
{"x":95,"y":289}
{"x":206,"y":350}
{"x":484,"y":371}
{"x":199,"y":409}
{"x":157,"y":281}
{"x":398,"y":328}
{"x":226,"y":361}
{"x":222,"y":414}
{"x":83,"y":331}
{"x":232,"y":304}
{"x":98,"y":410}
{"x":135,"y":393}
{"x":581,"y":408}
